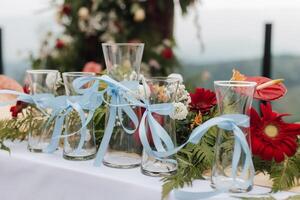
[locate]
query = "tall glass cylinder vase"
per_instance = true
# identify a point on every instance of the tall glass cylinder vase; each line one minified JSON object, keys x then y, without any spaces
{"x":123,"y":62}
{"x":41,"y":81}
{"x":76,"y":146}
{"x":234,"y":97}
{"x":157,"y":91}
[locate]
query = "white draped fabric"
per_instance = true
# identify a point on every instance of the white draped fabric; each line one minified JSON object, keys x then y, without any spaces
{"x":36,"y":176}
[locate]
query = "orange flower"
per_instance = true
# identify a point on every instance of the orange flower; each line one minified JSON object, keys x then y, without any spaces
{"x":197,"y":120}
{"x":237,"y":76}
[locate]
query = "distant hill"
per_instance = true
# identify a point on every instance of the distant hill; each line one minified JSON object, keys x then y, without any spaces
{"x":284,"y":66}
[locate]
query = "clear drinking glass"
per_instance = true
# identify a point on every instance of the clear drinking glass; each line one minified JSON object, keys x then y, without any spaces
{"x":234,"y":97}
{"x":123,"y":62}
{"x":41,"y":81}
{"x":160,"y":90}
{"x":72,"y":139}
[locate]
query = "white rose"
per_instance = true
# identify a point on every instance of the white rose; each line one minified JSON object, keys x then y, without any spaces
{"x":143,"y":92}
{"x":139,"y":15}
{"x":177,"y":76}
{"x":83,"y":13}
{"x":180,"y":111}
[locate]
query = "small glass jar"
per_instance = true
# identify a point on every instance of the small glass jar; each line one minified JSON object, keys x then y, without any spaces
{"x":160,"y":90}
{"x":41,"y":81}
{"x":234,"y":97}
{"x":76,"y":147}
{"x":123,"y":62}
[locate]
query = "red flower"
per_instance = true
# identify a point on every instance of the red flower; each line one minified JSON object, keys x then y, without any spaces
{"x":202,"y":100}
{"x":59,"y":44}
{"x":268,"y":89}
{"x":66,"y":9}
{"x":271,"y":137}
{"x":15,"y":110}
{"x":167,"y":53}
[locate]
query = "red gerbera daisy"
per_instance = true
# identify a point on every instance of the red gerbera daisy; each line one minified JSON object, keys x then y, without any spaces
{"x":202,"y":100}
{"x":271,"y":137}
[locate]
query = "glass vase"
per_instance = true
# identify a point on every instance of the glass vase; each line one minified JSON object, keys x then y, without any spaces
{"x":76,"y":147}
{"x":160,"y":90}
{"x":41,"y":81}
{"x":234,"y":97}
{"x":123,"y":62}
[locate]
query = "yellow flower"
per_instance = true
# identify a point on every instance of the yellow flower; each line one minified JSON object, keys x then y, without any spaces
{"x":237,"y":76}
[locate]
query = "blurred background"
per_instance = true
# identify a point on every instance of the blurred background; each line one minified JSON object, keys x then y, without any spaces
{"x":203,"y":40}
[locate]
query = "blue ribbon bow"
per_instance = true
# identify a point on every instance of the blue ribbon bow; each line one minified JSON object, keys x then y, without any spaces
{"x":88,"y":100}
{"x":121,"y":100}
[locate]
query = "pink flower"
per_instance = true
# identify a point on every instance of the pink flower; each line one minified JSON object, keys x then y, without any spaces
{"x":92,"y":67}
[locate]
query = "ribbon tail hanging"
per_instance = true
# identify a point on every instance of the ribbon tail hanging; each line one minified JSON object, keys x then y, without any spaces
{"x":106,"y":138}
{"x":59,"y":121}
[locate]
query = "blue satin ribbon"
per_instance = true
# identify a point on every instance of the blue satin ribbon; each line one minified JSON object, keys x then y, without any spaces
{"x":121,"y":101}
{"x":229,"y":123}
{"x":60,"y":107}
{"x":88,"y":100}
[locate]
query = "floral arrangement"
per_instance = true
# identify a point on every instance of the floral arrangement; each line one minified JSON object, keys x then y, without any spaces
{"x":274,"y":142}
{"x":88,"y":23}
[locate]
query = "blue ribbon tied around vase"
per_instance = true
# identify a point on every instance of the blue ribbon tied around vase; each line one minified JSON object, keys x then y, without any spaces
{"x":59,"y":107}
{"x":122,"y":100}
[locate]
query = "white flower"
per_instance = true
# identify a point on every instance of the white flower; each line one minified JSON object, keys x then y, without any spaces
{"x":180,"y":111}
{"x":182,"y":95}
{"x":92,"y":24}
{"x":84,"y":13}
{"x":53,"y":80}
{"x":143,"y":92}
{"x":177,"y":76}
{"x":139,"y":15}
{"x":167,"y":42}
{"x":67,"y":39}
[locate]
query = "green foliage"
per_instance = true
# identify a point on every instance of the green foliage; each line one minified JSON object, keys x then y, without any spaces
{"x":13,"y":129}
{"x":262,"y":166}
{"x":99,"y":121}
{"x":286,"y":174}
{"x":193,"y":160}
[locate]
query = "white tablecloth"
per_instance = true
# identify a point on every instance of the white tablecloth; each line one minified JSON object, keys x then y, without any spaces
{"x":36,"y":176}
